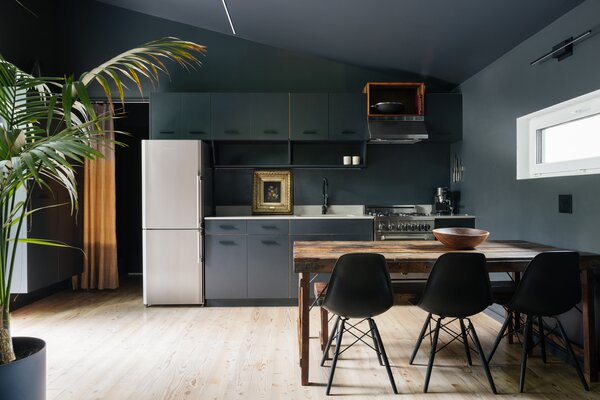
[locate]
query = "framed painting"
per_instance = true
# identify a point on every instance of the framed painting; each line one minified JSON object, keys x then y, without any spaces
{"x":272,"y":192}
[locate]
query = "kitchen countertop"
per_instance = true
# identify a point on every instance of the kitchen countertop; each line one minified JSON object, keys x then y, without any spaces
{"x":318,"y":216}
{"x":307,"y":212}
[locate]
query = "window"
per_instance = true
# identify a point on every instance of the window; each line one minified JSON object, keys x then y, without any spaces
{"x":560,"y":140}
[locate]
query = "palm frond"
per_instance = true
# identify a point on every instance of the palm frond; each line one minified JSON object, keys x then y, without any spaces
{"x":144,"y":61}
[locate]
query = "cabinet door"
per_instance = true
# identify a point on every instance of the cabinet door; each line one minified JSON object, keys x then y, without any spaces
{"x":268,"y":271}
{"x":271,"y":115}
{"x":231,"y":116}
{"x":225,"y":267}
{"x":348,"y":116}
{"x":195,"y":115}
{"x":366,"y":236}
{"x":165,"y":115}
{"x":309,"y":116}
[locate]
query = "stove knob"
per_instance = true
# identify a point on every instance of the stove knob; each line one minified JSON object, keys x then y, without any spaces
{"x":401,"y":227}
{"x":413,"y":227}
{"x":427,"y":227}
{"x":391,"y":226}
{"x":381,"y":226}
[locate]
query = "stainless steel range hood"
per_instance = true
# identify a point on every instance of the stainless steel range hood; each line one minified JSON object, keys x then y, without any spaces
{"x":397,"y":130}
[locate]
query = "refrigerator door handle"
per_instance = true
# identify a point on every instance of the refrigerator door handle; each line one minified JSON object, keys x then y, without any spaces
{"x":198,"y":246}
{"x":198,"y":199}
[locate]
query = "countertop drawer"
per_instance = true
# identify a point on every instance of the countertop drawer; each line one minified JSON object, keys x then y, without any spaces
{"x":228,"y":227}
{"x":268,"y":227}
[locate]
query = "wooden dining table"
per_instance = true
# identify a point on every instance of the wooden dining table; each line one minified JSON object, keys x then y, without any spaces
{"x":419,"y":256}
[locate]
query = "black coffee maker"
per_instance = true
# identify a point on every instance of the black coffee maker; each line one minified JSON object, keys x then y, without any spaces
{"x":445,"y":202}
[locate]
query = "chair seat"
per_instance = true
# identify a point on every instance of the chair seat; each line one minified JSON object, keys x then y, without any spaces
{"x":502,"y":291}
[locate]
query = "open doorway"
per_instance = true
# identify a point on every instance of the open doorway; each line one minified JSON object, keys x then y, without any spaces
{"x":129,"y":186}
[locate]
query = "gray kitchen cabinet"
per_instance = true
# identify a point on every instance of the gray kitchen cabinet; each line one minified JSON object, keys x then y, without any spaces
{"x":231,"y":116}
{"x":443,"y":116}
{"x":268,"y":271}
{"x":225,"y":267}
{"x":180,"y":116}
{"x":309,"y":116}
{"x":348,"y":117}
{"x":311,"y":230}
{"x":195,"y":116}
{"x":225,"y":227}
{"x":270,"y":116}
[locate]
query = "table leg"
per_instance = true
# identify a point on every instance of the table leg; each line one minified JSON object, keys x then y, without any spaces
{"x":303,"y":318}
{"x":590,"y":356}
{"x":516,"y":321}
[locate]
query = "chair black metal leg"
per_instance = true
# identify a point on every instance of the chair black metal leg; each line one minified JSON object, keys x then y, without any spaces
{"x":486,"y":367}
{"x":542,"y":338}
{"x":436,"y":334}
{"x":572,"y":356}
{"x":463,"y":332}
{"x":331,"y":336}
{"x":507,"y":322}
{"x":526,"y":344}
{"x":336,"y":353}
{"x":375,"y":342}
{"x":384,"y":356}
{"x":420,"y":339}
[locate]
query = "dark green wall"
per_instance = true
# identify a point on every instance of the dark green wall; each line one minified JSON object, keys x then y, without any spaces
{"x":394,"y":174}
{"x":492,"y":100}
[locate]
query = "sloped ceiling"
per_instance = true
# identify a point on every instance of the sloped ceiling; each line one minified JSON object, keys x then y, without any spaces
{"x":448,"y":40}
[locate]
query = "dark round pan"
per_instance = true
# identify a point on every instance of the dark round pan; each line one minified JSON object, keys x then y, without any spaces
{"x":388,"y":107}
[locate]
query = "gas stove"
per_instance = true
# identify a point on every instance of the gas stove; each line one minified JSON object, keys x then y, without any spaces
{"x":401,"y":222}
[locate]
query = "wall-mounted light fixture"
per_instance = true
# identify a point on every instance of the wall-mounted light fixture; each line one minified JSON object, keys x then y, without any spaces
{"x":563,"y":49}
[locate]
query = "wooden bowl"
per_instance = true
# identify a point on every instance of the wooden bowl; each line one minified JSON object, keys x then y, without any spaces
{"x":461,"y":238}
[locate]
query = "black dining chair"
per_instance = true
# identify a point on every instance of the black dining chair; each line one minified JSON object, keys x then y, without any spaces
{"x":359,"y":287}
{"x":458,"y":287}
{"x":550,"y":286}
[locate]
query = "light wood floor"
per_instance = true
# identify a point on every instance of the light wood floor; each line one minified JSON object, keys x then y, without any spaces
{"x":107,"y":345}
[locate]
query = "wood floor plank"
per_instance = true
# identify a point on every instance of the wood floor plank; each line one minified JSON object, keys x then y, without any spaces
{"x":107,"y":345}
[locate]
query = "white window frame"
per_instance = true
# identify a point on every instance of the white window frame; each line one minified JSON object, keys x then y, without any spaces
{"x":527,"y":134}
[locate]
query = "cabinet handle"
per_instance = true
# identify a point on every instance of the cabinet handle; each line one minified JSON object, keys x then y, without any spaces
{"x":227,"y":242}
{"x":197,"y":133}
{"x":231,"y":132}
{"x":167,"y":132}
{"x":269,"y":242}
{"x":348,"y":132}
{"x":227,"y":227}
{"x":310,"y":133}
{"x":270,"y":132}
{"x":269,"y":227}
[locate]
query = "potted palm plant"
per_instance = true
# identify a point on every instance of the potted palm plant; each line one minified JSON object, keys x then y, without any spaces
{"x":47,"y":127}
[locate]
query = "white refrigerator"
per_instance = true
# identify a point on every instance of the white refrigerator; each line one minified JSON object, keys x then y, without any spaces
{"x":175,"y":186}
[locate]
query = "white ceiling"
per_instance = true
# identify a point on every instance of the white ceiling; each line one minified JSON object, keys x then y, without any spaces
{"x":448,"y":40}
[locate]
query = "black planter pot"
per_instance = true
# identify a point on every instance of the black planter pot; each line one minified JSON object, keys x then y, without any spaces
{"x":25,"y":378}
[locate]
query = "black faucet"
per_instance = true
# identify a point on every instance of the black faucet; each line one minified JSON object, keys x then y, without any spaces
{"x":325,"y":197}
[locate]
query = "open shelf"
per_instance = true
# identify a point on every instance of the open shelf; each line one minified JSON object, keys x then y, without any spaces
{"x":290,"y":154}
{"x":408,"y":93}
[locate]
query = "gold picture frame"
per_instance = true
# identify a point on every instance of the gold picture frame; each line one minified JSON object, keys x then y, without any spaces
{"x":272,"y":192}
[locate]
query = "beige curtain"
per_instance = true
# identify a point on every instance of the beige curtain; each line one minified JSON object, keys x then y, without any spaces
{"x":100,"y":269}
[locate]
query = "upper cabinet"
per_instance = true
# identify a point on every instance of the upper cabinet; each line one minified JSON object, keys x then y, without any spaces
{"x":180,"y":116}
{"x":443,"y":116}
{"x":231,"y":115}
{"x":270,"y":113}
{"x":347,"y":117}
{"x":309,"y":116}
{"x":195,"y":115}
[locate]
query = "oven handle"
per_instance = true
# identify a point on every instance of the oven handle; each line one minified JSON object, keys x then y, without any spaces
{"x":424,"y":236}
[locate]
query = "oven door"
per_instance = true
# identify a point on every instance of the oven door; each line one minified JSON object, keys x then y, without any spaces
{"x":405,"y":236}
